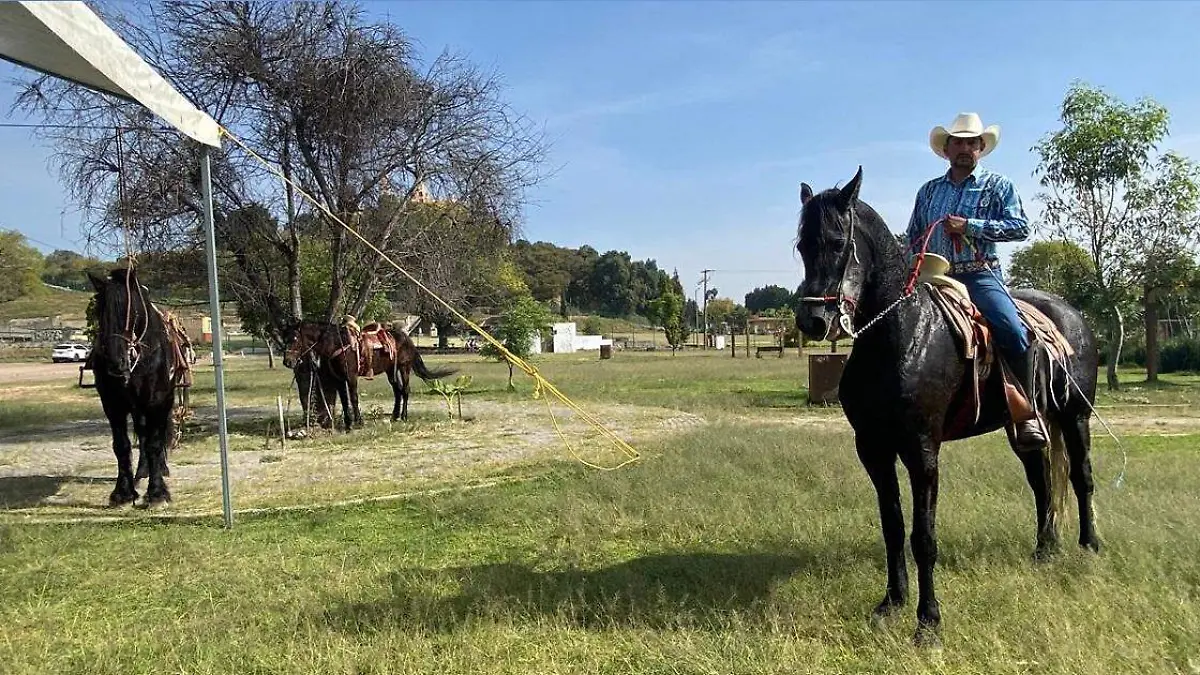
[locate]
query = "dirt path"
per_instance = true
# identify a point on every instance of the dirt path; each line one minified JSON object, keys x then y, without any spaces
{"x":38,"y":372}
{"x":67,"y":471}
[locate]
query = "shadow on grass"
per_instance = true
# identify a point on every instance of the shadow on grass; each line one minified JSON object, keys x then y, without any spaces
{"x":22,"y":492}
{"x":704,"y":590}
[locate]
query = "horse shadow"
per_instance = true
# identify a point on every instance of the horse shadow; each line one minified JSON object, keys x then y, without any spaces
{"x":703,"y":590}
{"x":23,"y":492}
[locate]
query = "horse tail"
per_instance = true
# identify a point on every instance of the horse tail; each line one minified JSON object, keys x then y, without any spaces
{"x":425,"y":373}
{"x":1060,"y":471}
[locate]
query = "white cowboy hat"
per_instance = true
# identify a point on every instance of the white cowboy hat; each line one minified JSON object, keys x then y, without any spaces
{"x":966,"y":125}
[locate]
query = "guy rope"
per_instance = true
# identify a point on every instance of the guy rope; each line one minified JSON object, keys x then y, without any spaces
{"x":541,"y":384}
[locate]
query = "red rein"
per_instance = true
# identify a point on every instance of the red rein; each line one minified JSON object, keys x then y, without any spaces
{"x":916,"y":270}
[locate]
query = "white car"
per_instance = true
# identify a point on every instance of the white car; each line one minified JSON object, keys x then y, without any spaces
{"x":70,"y":351}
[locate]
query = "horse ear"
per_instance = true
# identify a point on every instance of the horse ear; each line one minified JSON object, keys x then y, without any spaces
{"x":806,"y":193}
{"x":97,"y":282}
{"x":849,"y":194}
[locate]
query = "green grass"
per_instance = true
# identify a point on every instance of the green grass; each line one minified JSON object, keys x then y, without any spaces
{"x":747,"y":545}
{"x":72,"y":305}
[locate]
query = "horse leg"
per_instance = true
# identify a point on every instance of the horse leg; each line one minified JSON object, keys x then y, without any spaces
{"x":394,"y":380}
{"x":1037,"y":473}
{"x":153,"y":431}
{"x":880,"y":464}
{"x":124,"y":492}
{"x":1077,"y":434}
{"x":405,"y":379}
{"x":326,"y":399}
{"x":352,"y":386}
{"x":343,"y":391}
{"x":922,"y":465}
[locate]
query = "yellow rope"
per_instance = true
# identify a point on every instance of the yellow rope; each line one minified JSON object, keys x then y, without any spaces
{"x":540,"y":382}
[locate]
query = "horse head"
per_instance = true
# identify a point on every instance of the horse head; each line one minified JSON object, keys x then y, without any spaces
{"x":122,"y":317}
{"x":298,"y":342}
{"x":834,"y":274}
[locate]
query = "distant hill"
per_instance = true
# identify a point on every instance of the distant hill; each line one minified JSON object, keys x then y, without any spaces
{"x":48,"y":301}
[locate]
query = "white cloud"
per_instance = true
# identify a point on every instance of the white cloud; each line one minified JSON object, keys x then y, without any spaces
{"x":729,"y":69}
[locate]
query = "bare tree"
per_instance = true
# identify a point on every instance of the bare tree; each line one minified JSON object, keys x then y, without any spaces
{"x":341,"y":107}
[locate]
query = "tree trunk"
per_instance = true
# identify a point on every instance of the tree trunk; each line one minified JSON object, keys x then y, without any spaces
{"x":510,"y":377}
{"x":1116,"y":342}
{"x":1150,"y":305}
{"x":270,"y":355}
{"x":336,"y":286}
{"x":443,"y":328}
{"x":733,"y":343}
{"x":293,"y":254}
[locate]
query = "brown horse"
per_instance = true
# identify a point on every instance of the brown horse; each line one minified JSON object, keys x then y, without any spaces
{"x":336,"y":356}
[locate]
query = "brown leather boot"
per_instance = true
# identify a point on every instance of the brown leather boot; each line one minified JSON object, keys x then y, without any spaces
{"x":1030,"y":432}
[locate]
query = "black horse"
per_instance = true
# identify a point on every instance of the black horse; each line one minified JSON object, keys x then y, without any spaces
{"x":134,"y":364}
{"x":906,"y":370}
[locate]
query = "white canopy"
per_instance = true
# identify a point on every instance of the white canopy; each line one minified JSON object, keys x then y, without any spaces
{"x":68,"y":40}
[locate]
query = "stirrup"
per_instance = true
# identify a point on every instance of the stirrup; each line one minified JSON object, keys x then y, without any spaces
{"x":1034,"y":436}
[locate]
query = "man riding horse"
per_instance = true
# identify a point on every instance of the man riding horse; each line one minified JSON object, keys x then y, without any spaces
{"x":961,"y":216}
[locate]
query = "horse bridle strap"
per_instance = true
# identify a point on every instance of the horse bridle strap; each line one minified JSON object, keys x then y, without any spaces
{"x":847,"y":305}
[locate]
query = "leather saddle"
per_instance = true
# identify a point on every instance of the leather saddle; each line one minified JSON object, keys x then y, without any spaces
{"x":974,"y":336}
{"x":374,"y":337}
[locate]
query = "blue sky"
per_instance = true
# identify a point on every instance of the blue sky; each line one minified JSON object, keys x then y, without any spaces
{"x":682,"y":130}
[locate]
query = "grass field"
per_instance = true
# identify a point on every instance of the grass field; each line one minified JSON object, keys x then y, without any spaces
{"x":747,"y":542}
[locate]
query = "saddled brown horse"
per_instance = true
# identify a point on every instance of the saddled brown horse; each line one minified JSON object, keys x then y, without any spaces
{"x":336,"y":356}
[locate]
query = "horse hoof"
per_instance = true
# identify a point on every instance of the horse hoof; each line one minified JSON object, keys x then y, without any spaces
{"x":886,"y":608}
{"x":927,"y":637}
{"x":1092,"y":545}
{"x":1045,"y":553}
{"x":118,"y":499}
{"x":156,"y":503}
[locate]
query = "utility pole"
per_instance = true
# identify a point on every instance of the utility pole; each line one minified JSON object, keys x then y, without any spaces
{"x":705,"y":312}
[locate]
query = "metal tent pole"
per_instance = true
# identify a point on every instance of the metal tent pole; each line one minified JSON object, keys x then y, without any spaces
{"x":210,"y":241}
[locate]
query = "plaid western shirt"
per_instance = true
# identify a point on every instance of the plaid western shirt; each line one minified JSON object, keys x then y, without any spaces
{"x":993,"y":210}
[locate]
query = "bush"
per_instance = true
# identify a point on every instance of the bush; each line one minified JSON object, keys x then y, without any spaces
{"x":591,"y":326}
{"x":1180,"y":355}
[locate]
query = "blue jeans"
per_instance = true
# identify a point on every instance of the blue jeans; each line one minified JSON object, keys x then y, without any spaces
{"x":994,"y":303}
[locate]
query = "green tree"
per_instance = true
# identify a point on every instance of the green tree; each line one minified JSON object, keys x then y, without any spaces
{"x":666,"y":311}
{"x":611,"y":284}
{"x":718,"y":312}
{"x":547,"y":269}
{"x":739,"y":318}
{"x":20,"y":266}
{"x":1163,"y":278}
{"x":766,"y":298}
{"x":518,"y":324}
{"x":1104,"y":192}
{"x":1059,"y":267}
{"x":69,"y":270}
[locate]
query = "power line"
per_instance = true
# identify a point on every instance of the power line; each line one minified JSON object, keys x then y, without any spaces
{"x":107,"y":127}
{"x":754,"y":271}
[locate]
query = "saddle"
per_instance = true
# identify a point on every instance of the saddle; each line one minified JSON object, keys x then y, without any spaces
{"x":181,"y":349}
{"x":374,"y":337}
{"x":973,"y":334}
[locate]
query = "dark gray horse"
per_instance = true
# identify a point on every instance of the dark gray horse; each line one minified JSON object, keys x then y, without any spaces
{"x":905,"y":374}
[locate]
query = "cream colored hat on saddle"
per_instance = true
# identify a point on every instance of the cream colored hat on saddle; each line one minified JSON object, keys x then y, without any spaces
{"x":966,"y":125}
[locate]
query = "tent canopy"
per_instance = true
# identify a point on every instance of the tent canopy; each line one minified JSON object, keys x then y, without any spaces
{"x":68,"y":40}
